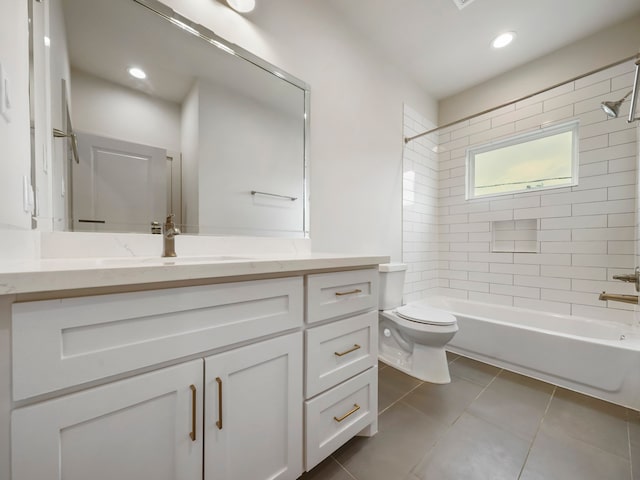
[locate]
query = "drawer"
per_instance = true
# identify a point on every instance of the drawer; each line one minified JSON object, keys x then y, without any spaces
{"x":338,"y":415}
{"x":66,"y":342}
{"x":340,"y":350}
{"x":339,"y":294}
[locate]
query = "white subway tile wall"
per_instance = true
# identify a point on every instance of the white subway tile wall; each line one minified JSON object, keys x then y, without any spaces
{"x":515,"y":236}
{"x":420,"y":207}
{"x":585,"y":233}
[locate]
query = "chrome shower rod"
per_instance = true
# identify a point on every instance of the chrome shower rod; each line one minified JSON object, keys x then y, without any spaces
{"x":632,"y":110}
{"x":469,"y":117}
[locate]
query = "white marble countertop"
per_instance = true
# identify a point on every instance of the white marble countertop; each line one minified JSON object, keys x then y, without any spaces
{"x":34,"y":276}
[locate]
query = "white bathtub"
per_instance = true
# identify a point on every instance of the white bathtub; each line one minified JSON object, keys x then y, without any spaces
{"x":594,"y":357}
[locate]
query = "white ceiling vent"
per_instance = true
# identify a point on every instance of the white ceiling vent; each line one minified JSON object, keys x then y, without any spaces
{"x":462,"y":3}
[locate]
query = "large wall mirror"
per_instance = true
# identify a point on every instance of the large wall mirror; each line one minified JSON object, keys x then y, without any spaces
{"x":207,"y":131}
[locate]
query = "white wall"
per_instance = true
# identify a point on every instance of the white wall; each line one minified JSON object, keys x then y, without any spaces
{"x":107,"y":109}
{"x":586,"y":233}
{"x":15,"y":158}
{"x":603,"y":48}
{"x":246,"y":144}
{"x":14,"y":135}
{"x":356,"y":116}
{"x":190,"y":139}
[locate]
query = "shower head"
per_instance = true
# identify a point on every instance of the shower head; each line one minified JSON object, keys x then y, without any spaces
{"x":612,"y":109}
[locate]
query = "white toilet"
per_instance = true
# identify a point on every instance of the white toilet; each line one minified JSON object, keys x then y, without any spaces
{"x":413,"y":336}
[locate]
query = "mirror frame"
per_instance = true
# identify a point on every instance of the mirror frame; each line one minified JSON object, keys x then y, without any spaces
{"x":158,"y":8}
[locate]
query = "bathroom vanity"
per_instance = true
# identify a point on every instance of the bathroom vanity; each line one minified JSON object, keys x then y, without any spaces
{"x":238,"y":368}
{"x":226,"y":367}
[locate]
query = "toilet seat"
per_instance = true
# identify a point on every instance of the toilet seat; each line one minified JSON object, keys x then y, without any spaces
{"x":426,"y":315}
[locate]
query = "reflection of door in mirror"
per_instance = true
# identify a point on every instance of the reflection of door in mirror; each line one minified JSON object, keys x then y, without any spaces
{"x":107,"y":185}
{"x":229,"y":123}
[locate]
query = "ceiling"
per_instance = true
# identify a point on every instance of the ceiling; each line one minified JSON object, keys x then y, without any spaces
{"x":447,"y":50}
{"x":104,"y":38}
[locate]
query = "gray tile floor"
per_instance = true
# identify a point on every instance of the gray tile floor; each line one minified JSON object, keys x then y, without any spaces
{"x":488,"y":424}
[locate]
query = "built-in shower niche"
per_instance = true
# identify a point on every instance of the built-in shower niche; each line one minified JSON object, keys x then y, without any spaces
{"x":518,"y":236}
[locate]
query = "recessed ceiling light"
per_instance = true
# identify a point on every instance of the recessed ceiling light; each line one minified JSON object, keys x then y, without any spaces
{"x":462,"y":3}
{"x":138,"y":73}
{"x":503,"y":39}
{"x":242,"y":6}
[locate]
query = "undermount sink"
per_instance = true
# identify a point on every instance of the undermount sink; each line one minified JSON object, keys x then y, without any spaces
{"x":144,"y":261}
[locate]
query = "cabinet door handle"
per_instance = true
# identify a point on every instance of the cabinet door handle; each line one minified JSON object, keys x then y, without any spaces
{"x":352,"y":349}
{"x":355,"y":408}
{"x":350,"y":292}
{"x":194,"y":395}
{"x":219,"y":422}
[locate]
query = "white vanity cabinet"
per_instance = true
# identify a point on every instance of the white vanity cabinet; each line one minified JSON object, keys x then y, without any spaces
{"x":151,"y":425}
{"x":142,"y":427}
{"x":253,"y":412}
{"x":220,"y":381}
{"x":341,"y":347}
{"x":67,"y":342}
{"x":155,"y":424}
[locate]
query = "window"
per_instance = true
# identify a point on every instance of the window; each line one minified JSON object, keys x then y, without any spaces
{"x":546,"y":158}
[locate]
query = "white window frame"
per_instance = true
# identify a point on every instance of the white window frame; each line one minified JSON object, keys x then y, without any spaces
{"x":572,"y":126}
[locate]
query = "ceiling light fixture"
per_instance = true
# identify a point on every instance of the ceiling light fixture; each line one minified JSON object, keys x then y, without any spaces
{"x":462,"y":3}
{"x":503,"y":39}
{"x":136,"y":72}
{"x":242,"y":6}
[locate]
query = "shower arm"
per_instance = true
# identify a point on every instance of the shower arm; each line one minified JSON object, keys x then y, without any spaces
{"x":632,"y":110}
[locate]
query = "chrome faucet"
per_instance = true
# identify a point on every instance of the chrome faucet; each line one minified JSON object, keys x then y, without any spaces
{"x":169,"y":232}
{"x":632,"y":278}
{"x":616,"y":297}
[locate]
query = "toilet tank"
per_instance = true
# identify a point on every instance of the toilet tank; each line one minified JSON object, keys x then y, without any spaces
{"x":391,"y":285}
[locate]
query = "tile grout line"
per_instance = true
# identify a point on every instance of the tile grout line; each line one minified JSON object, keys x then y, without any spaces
{"x":476,"y":397}
{"x":593,"y":445}
{"x":343,"y":467}
{"x":379,"y":413}
{"x":458,"y":417}
{"x":423,"y":382}
{"x":399,"y":399}
{"x":535,"y":435}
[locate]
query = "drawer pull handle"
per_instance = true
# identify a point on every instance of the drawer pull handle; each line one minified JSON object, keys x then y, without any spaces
{"x":355,"y":408}
{"x":350,"y":292}
{"x":194,"y":395}
{"x":352,"y":349}
{"x":219,"y":422}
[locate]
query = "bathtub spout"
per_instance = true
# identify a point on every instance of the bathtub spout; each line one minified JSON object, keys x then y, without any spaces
{"x":604,"y":296}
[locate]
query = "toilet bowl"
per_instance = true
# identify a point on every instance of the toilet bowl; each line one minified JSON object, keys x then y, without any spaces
{"x":412,"y":337}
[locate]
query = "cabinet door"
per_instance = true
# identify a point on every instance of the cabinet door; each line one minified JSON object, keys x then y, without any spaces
{"x":253,"y":411}
{"x":142,"y":427}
